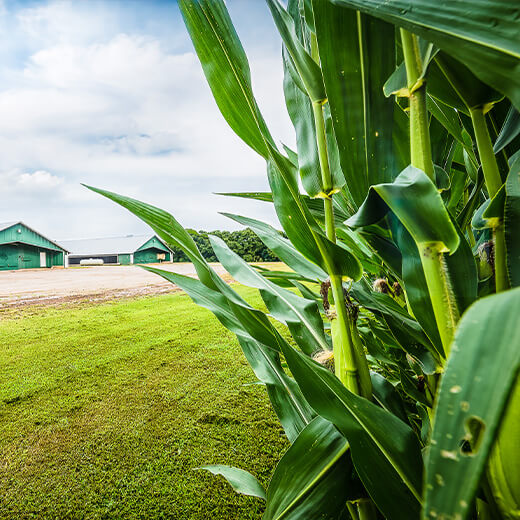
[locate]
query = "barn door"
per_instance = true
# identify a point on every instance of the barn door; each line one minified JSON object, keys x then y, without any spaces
{"x":43,"y":259}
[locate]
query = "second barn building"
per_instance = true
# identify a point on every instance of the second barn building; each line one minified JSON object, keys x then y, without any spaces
{"x":130,"y":249}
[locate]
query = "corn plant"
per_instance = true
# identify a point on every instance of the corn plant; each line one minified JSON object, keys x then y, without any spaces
{"x":393,"y":368}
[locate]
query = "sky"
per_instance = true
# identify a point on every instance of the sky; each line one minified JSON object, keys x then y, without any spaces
{"x":111,"y":93}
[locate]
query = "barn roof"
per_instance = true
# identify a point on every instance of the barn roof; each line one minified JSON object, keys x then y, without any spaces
{"x":106,"y":246}
{"x":7,"y":225}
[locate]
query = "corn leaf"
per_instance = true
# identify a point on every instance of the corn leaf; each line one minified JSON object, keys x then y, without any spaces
{"x":414,"y":199}
{"x":308,"y":70}
{"x":415,"y":282}
{"x":226,"y":69}
{"x":301,"y":315}
{"x":263,"y":196}
{"x":385,"y":394}
{"x":300,"y":111}
{"x":485,"y":38}
{"x":314,"y":477}
{"x":281,"y":247}
{"x":461,"y":270}
{"x":473,"y":394}
{"x":355,"y":60}
{"x":172,"y":233}
{"x":512,"y":223}
{"x":390,"y":466}
{"x":399,"y":321}
{"x":509,"y":131}
{"x":473,"y":92}
{"x":241,"y":481}
{"x":447,"y":117}
{"x":301,"y":228}
{"x":315,"y":206}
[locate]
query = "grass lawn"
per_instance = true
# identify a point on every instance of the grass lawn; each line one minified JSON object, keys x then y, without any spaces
{"x":106,"y":409}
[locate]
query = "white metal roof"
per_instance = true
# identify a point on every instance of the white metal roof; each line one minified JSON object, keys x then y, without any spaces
{"x":106,"y":246}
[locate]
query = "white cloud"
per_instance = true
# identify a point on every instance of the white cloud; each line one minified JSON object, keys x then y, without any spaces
{"x":27,"y":182}
{"x":94,"y":103}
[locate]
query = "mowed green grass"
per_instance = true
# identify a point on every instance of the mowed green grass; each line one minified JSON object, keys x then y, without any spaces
{"x":107,"y":409}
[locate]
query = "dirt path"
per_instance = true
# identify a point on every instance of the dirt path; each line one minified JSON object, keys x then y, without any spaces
{"x":55,"y":286}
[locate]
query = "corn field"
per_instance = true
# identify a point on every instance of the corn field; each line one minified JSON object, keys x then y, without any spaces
{"x":394,"y":364}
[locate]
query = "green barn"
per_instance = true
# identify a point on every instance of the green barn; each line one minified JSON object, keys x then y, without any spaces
{"x":21,"y":247}
{"x":130,"y":249}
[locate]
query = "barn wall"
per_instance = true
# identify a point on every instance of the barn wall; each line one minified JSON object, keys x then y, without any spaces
{"x":19,"y":256}
{"x":149,"y":256}
{"x":20,"y":248}
{"x":124,"y":259}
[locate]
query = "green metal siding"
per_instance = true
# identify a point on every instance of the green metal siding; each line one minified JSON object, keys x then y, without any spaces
{"x":22,"y":256}
{"x":57,"y":258}
{"x":21,"y":234}
{"x":149,"y":256}
{"x":20,"y":248}
{"x":154,"y":242}
{"x":124,"y":259}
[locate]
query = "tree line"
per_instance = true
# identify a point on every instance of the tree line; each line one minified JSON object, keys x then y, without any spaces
{"x":244,"y":243}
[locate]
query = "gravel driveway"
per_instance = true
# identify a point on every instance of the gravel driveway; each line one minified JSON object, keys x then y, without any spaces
{"x":41,"y":286}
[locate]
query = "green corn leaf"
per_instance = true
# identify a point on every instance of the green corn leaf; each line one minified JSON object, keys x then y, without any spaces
{"x":464,"y":217}
{"x":485,"y":39}
{"x":355,"y":60}
{"x":282,"y":276}
{"x":300,"y":111}
{"x":448,"y":117}
{"x":414,"y":199}
{"x":356,"y":244}
{"x":171,"y":232}
{"x":308,"y":70}
{"x":512,"y":223}
{"x":241,"y":481}
{"x":390,"y":466}
{"x":315,"y":206}
{"x":263,"y":196}
{"x":502,"y":469}
{"x":473,"y":92}
{"x":226,"y":69}
{"x":241,"y":319}
{"x":291,"y":408}
{"x":314,"y":477}
{"x":409,"y":387}
{"x":394,"y":314}
{"x":457,"y":186}
{"x":300,"y":226}
{"x":397,"y":83}
{"x":442,"y":179}
{"x":473,"y":394}
{"x":491,"y":211}
{"x":281,"y":247}
{"x":387,"y":396}
{"x":478,"y":221}
{"x":301,"y":315}
{"x":439,"y":88}
{"x":415,"y":283}
{"x":381,"y":242}
{"x":509,"y":131}
{"x":305,"y":8}
{"x":461,"y":270}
